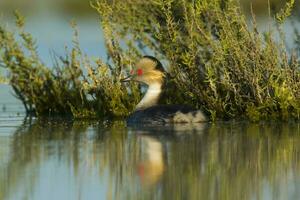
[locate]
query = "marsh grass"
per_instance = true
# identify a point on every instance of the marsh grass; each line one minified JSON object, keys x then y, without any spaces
{"x":216,"y":62}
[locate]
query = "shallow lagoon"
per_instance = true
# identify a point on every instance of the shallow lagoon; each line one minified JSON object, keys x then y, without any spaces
{"x":66,"y":159}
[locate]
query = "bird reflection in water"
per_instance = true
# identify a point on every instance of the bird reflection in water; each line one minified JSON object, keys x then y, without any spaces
{"x":153,"y":143}
{"x":151,"y":168}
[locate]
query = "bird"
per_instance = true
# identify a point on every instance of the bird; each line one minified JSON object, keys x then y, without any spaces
{"x":150,"y":72}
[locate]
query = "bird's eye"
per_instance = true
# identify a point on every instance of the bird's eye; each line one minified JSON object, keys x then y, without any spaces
{"x":139,"y":72}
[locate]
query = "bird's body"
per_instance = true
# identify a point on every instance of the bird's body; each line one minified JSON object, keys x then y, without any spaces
{"x":163,"y":114}
{"x":150,"y":72}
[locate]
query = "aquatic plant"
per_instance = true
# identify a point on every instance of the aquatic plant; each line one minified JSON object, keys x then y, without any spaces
{"x":216,"y":61}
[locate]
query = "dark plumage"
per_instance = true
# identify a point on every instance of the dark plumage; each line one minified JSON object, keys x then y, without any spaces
{"x":159,"y":114}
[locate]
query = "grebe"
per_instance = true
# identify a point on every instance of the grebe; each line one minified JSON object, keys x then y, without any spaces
{"x":150,"y":71}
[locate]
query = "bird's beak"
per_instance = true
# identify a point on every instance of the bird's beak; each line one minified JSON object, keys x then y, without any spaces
{"x":126,"y":79}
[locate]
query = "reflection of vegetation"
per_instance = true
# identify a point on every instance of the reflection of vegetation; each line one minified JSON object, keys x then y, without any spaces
{"x":30,"y":148}
{"x":223,"y":161}
{"x":234,"y":161}
{"x":232,"y":70}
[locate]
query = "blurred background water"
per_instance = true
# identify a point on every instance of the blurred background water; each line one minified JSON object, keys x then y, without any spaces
{"x":63,"y":159}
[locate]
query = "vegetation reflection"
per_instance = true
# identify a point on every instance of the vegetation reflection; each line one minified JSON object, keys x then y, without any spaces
{"x":216,"y":161}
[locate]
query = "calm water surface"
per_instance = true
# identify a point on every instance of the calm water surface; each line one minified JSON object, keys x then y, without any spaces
{"x":63,"y":159}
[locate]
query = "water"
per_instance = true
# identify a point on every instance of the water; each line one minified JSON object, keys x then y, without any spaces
{"x":60,"y":159}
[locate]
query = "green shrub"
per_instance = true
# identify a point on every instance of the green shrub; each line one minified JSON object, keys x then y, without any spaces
{"x":217,"y":61}
{"x":64,"y":90}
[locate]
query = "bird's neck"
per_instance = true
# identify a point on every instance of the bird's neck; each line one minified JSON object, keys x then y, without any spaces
{"x":151,"y":97}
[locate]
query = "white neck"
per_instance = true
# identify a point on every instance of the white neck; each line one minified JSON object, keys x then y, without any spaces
{"x":151,"y":97}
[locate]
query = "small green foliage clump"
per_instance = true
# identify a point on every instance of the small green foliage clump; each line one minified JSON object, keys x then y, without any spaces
{"x":216,"y":62}
{"x":65,"y":89}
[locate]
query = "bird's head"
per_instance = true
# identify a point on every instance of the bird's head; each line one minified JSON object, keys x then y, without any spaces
{"x":148,"y":70}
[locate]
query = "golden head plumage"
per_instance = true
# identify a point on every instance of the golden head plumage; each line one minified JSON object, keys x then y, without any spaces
{"x":148,"y":70}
